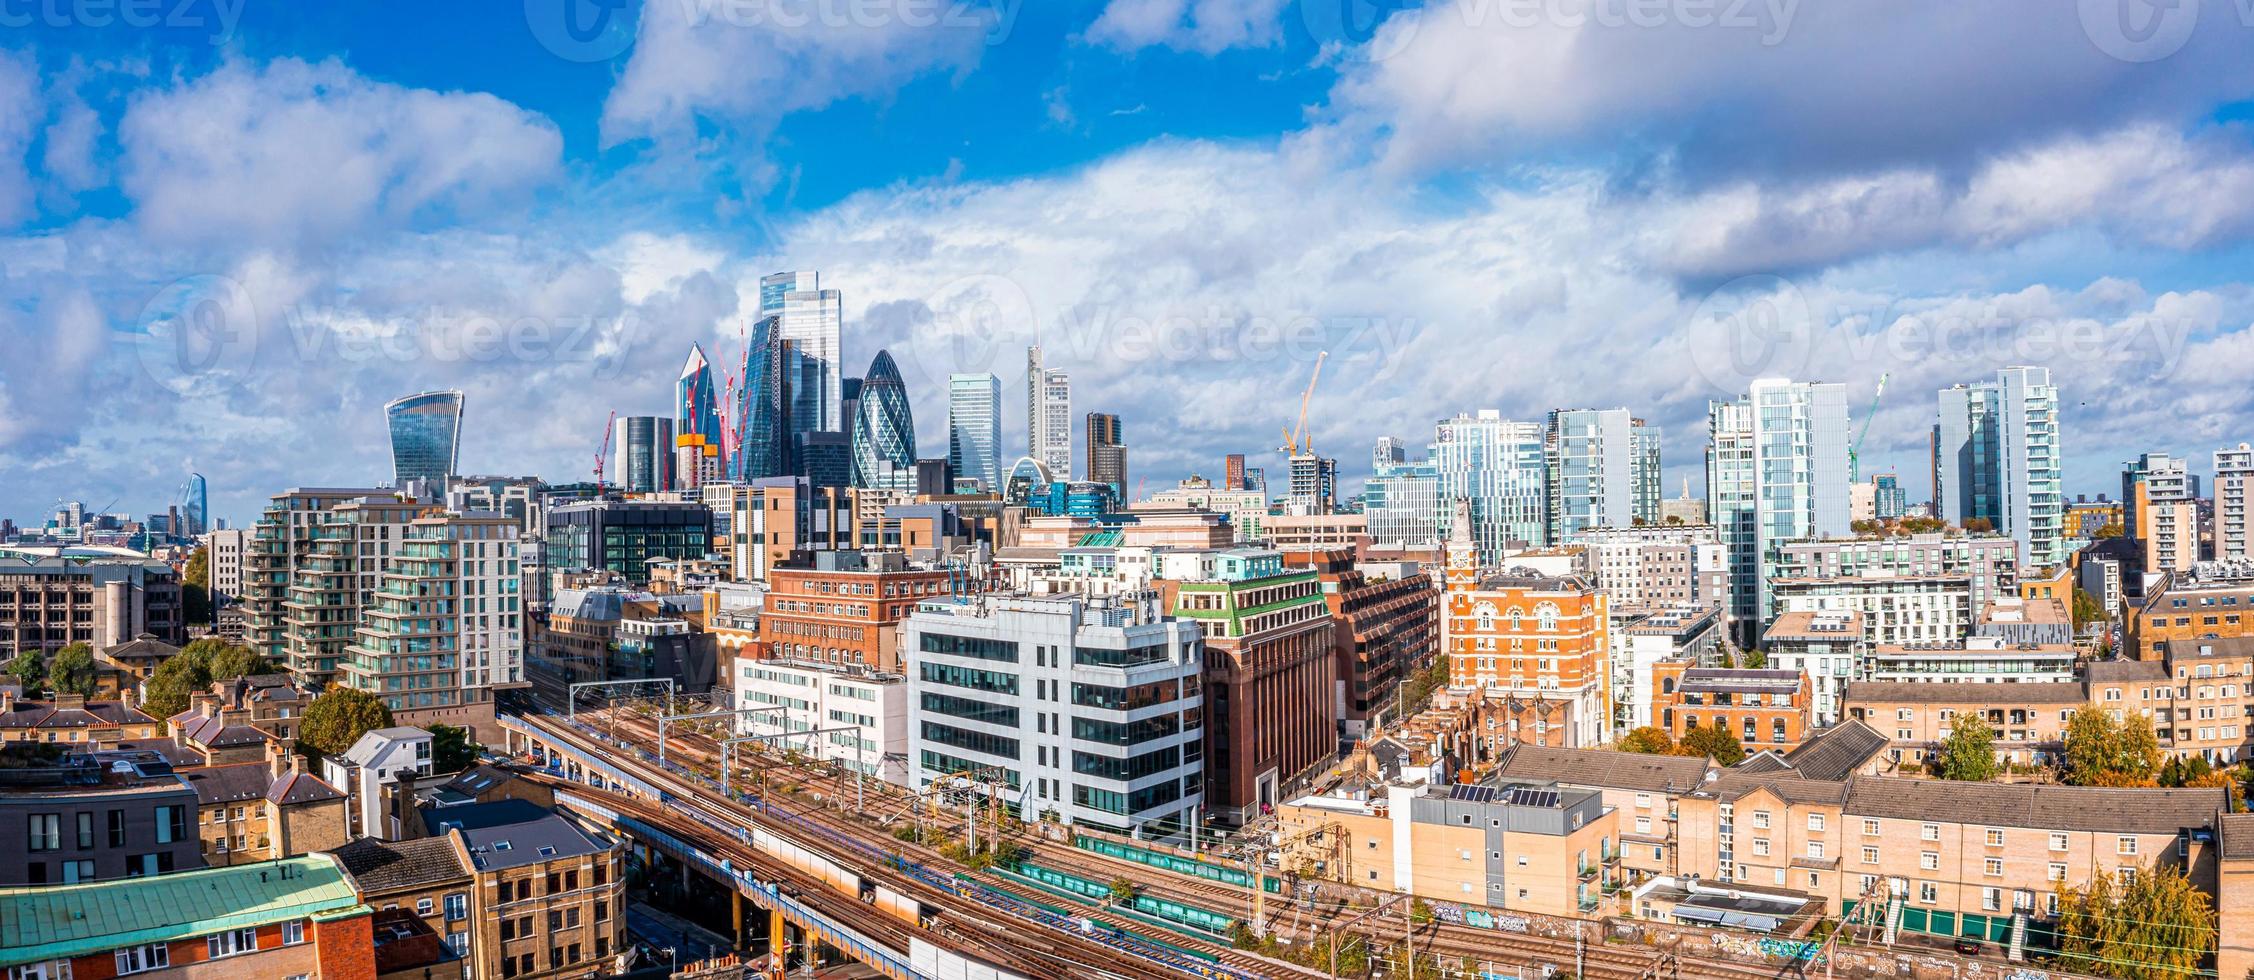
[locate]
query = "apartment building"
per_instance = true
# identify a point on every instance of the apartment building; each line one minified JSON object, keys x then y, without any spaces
{"x":1658,"y":564}
{"x":88,"y":816}
{"x":1503,"y":844}
{"x":2199,"y":695}
{"x":73,"y":720}
{"x":1536,"y":638}
{"x":248,"y":812}
{"x":843,"y":607}
{"x":1981,"y":860}
{"x":1383,"y":628}
{"x":2160,"y":513}
{"x":427,"y":876}
{"x":861,"y":715}
{"x":765,"y":522}
{"x":2029,"y":717}
{"x":1827,"y":647}
{"x":1973,"y":660}
{"x":285,"y":536}
{"x":1111,"y":689}
{"x":293,"y":918}
{"x":2210,"y":600}
{"x":51,"y":597}
{"x":1998,"y":459}
{"x":1763,"y":708}
{"x":1645,"y":637}
{"x":1903,"y":609}
{"x":550,"y":891}
{"x":1989,"y":564}
{"x":335,"y":581}
{"x":2234,"y":484}
{"x":442,"y":630}
{"x":1639,"y":793}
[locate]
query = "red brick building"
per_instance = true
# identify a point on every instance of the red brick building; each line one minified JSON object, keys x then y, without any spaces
{"x":1382,"y":630}
{"x":845,"y":607}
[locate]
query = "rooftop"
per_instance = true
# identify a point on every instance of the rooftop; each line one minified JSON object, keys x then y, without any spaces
{"x":2009,"y":694}
{"x":1815,"y":626}
{"x":48,"y":922}
{"x":1602,"y":767}
{"x":1738,"y":680}
{"x":512,"y":833}
{"x":2041,"y":807}
{"x":1836,"y":752}
{"x":381,"y":867}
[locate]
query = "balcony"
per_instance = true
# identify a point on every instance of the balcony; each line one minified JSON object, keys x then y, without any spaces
{"x":1588,"y":872}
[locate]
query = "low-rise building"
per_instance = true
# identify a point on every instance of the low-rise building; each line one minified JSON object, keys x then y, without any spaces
{"x":1973,"y":660}
{"x":2037,"y":619}
{"x":550,"y":891}
{"x":371,"y":772}
{"x":74,"y":720}
{"x":1897,"y":609}
{"x":265,"y":810}
{"x":427,"y":876}
{"x":72,"y":816}
{"x":844,"y":607}
{"x":1645,"y":637}
{"x":1826,"y":646}
{"x":1763,"y":708}
{"x":293,"y":918}
{"x":829,"y":699}
{"x":1532,"y":637}
{"x":2212,"y":600}
{"x":2029,"y":717}
{"x":1639,"y":791}
{"x":2199,"y":695}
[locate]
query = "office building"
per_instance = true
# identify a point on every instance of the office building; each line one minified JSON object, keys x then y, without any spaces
{"x":1232,"y":472}
{"x":224,"y":554}
{"x":841,"y":608}
{"x":623,"y":535}
{"x":426,"y":434}
{"x":1643,"y":638}
{"x":760,"y":445}
{"x":56,"y":595}
{"x":974,"y":429}
{"x":1048,"y":415}
{"x":642,"y":454}
{"x":2000,"y":461}
{"x":1544,"y":641}
{"x":825,"y":459}
{"x":1904,"y":609}
{"x":883,"y":436}
{"x":1598,"y":465}
{"x":1497,"y":465}
{"x":696,"y":413}
{"x":847,"y":714}
{"x":1402,"y":504}
{"x":808,"y":322}
{"x":1776,"y":471}
{"x":1104,"y":691}
{"x":195,"y":507}
{"x":1889,"y":502}
{"x":1107,"y":451}
{"x":771,"y":520}
{"x":1382,"y":629}
{"x":1314,"y":484}
{"x":2234,"y":478}
{"x":1247,"y":509}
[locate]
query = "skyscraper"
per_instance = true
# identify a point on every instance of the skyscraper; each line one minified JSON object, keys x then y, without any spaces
{"x":1401,"y":501}
{"x":1998,"y":457}
{"x":1232,"y":468}
{"x":1648,"y":471}
{"x":696,"y":409}
{"x":1776,"y":470}
{"x":1107,"y":452}
{"x":642,"y":448}
{"x":195,"y":507}
{"x":974,"y":428}
{"x":1497,"y":465}
{"x":426,"y":432}
{"x":1048,"y":416}
{"x":1314,"y":484}
{"x":1594,"y":460}
{"x":808,"y":319}
{"x":2234,"y":476}
{"x":883,"y":439}
{"x":761,"y":440}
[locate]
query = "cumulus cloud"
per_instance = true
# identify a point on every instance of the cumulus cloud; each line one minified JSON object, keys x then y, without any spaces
{"x":1202,"y":26}
{"x":1776,"y":85}
{"x":295,"y":152}
{"x":20,"y":110}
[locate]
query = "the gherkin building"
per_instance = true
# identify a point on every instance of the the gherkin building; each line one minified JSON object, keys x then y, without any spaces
{"x":884,"y":432}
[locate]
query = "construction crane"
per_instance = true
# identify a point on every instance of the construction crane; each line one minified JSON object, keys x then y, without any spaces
{"x":1298,"y":441}
{"x":603,"y":455}
{"x":1855,"y":449}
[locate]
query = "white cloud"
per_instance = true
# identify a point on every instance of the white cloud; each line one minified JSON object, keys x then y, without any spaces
{"x":1784,"y":86}
{"x":21,"y":108}
{"x":294,"y":152}
{"x":1203,"y":26}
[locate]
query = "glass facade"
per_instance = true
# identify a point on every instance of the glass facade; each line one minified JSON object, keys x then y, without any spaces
{"x":696,"y":408}
{"x":884,"y":430}
{"x":1498,"y":465}
{"x":760,"y":442}
{"x":974,"y":428}
{"x":426,"y":432}
{"x":1997,"y":458}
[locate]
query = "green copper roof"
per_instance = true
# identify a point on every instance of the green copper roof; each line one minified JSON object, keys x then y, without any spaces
{"x":60,"y":921}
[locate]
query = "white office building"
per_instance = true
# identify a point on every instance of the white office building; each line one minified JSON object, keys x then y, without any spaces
{"x":1088,"y":710}
{"x":858,"y":718}
{"x":1048,"y":416}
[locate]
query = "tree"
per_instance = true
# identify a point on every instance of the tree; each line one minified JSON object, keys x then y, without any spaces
{"x":2103,"y":752}
{"x":1969,"y":753}
{"x":451,"y":749}
{"x":2155,"y":924}
{"x":1714,"y":742}
{"x":1867,"y":528}
{"x":28,"y":668}
{"x":2109,"y":529}
{"x":1755,"y":659}
{"x":195,"y":587}
{"x":1979,"y":525}
{"x":339,"y":717}
{"x":167,"y":690}
{"x":1649,"y":740}
{"x":72,"y":670}
{"x":2087,"y":610}
{"x":1122,"y":890}
{"x":1674,"y":518}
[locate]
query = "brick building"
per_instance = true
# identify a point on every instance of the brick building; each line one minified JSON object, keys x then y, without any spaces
{"x":2029,"y":717}
{"x":1763,"y":708}
{"x":260,"y":811}
{"x":2213,"y":600}
{"x":552,"y":891}
{"x":1533,"y":637}
{"x":1383,"y":629}
{"x":426,"y":876}
{"x":845,"y":607}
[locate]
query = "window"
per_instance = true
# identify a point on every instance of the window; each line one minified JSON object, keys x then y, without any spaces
{"x":1643,"y":825}
{"x":1931,"y":831}
{"x":1992,"y":899}
{"x":1870,"y":855}
{"x":2057,"y":872}
{"x":117,"y":828}
{"x":1760,"y":819}
{"x":2125,"y":844}
{"x":1929,"y":860}
{"x":1816,"y":822}
{"x":140,"y":959}
{"x":293,"y":933}
{"x":457,"y":907}
{"x":1870,"y":827}
{"x":233,"y":942}
{"x":423,"y":906}
{"x":45,"y":832}
{"x":1927,"y":893}
{"x":85,"y":830}
{"x":2058,"y":841}
{"x":1760,"y":847}
{"x":1816,"y":849}
{"x":1995,"y":838}
{"x":1992,"y":867}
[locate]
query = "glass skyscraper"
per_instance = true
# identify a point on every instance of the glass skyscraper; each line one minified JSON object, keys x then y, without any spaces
{"x":884,"y":430}
{"x":1997,"y":459}
{"x":696,"y":408}
{"x":195,"y":507}
{"x":643,"y":448}
{"x":974,"y":428}
{"x":426,"y":432}
{"x":1497,"y":464}
{"x":1776,"y":471}
{"x":808,"y":319}
{"x":1595,"y":462}
{"x":760,"y":444}
{"x":1048,"y":416}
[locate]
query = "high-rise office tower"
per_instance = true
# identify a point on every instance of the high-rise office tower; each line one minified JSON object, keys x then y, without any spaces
{"x":1648,"y":472}
{"x":883,"y":438}
{"x":1889,"y":501}
{"x":1497,"y":465}
{"x":1594,"y":461}
{"x":808,"y":318}
{"x":1107,"y":451}
{"x":195,"y":507}
{"x":1389,"y":451}
{"x":1776,"y":470}
{"x":760,"y":445}
{"x":642,"y":453}
{"x":1232,"y":468}
{"x":1997,"y":449}
{"x":426,"y":433}
{"x":1048,"y":416}
{"x":2234,"y":477}
{"x":696,"y":406}
{"x":1401,"y":501}
{"x":974,"y":428}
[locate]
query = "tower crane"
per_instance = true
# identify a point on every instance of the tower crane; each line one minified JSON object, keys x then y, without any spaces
{"x":1855,"y":449}
{"x":1298,"y":441}
{"x":603,"y":455}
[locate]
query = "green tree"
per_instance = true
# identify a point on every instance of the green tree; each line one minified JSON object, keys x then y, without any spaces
{"x":1756,"y":659}
{"x":1649,"y":740}
{"x":195,"y":587}
{"x":339,"y":717}
{"x":2103,"y":752}
{"x":452,"y":749}
{"x":167,"y":690}
{"x":2155,"y":925}
{"x":71,"y":671}
{"x":1969,"y":753}
{"x":1713,"y":742}
{"x":2086,"y":610}
{"x":29,"y":668}
{"x":1122,"y":890}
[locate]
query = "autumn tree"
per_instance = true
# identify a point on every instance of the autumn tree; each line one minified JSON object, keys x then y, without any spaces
{"x":1969,"y":753}
{"x":71,"y":670}
{"x":339,"y":717}
{"x":2101,"y":751}
{"x":2142,"y":926}
{"x":1714,"y":742}
{"x":1649,"y":740}
{"x":2086,"y":610}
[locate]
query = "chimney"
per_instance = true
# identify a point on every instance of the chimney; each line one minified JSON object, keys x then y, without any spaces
{"x":128,"y":697}
{"x":280,"y":758}
{"x":70,"y":700}
{"x":7,"y":698}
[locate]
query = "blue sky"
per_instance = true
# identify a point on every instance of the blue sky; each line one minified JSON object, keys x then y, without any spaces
{"x":1510,"y":204}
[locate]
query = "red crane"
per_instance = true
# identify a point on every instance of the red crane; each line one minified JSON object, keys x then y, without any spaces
{"x":603,"y":455}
